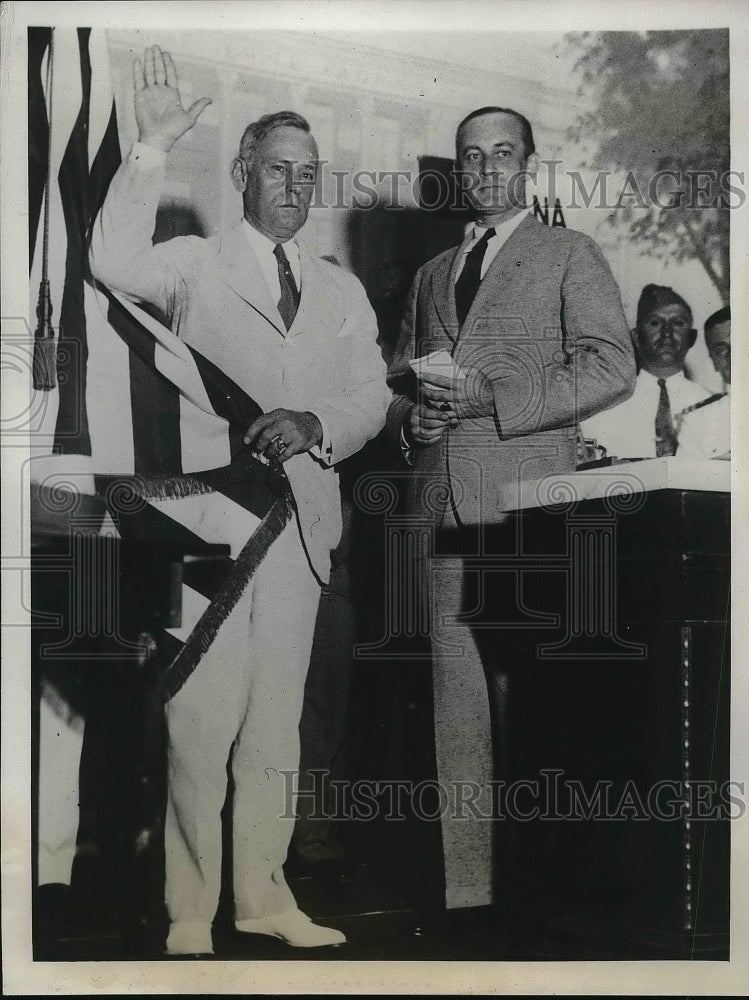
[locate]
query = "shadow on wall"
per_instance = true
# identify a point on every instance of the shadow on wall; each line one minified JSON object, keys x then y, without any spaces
{"x":177,"y":218}
{"x":388,"y":246}
{"x":389,"y":242}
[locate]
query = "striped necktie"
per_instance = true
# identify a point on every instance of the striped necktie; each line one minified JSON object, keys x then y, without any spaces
{"x":665,"y":435}
{"x":289,"y":301}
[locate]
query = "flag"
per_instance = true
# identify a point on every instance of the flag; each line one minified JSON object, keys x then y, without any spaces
{"x":160,"y":426}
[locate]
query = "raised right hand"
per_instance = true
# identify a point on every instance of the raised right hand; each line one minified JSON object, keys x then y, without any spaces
{"x":159,"y":113}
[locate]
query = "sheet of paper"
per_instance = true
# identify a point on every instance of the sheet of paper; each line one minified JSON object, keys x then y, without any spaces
{"x":436,"y":363}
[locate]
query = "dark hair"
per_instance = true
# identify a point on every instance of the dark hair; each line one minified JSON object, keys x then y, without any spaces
{"x":525,"y":126}
{"x":654,"y":297}
{"x":257,"y":131}
{"x":721,"y":316}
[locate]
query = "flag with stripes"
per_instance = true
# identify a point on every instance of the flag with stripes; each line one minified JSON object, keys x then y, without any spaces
{"x":160,"y":427}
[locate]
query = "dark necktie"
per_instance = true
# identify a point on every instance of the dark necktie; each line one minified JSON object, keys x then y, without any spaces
{"x":665,"y":435}
{"x":470,"y":277}
{"x":289,"y":301}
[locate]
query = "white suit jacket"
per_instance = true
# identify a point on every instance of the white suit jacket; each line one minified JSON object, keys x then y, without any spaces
{"x":217,"y":301}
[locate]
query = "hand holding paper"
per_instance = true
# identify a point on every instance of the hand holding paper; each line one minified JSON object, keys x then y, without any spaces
{"x":451,"y":390}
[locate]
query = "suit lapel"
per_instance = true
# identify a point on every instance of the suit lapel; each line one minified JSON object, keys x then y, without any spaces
{"x":443,"y":295}
{"x":316,"y":307}
{"x":508,"y":266}
{"x":243,"y":274}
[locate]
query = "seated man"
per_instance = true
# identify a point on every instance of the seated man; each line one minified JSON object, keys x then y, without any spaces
{"x":706,"y":428}
{"x":646,"y":425}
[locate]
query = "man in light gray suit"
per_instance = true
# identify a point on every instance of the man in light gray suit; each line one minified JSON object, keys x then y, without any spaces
{"x":533,"y":322}
{"x":298,"y":335}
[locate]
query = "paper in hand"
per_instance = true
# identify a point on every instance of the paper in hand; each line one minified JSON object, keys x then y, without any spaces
{"x":436,"y":363}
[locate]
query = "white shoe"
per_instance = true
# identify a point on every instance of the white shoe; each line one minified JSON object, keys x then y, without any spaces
{"x":293,"y":927}
{"x":189,"y":937}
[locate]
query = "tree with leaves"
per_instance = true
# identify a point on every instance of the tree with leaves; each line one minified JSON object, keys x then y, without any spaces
{"x":660,"y":116}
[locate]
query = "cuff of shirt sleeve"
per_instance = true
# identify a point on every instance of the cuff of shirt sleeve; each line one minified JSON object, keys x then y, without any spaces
{"x":147,"y":156}
{"x":406,"y":448}
{"x":324,"y":450}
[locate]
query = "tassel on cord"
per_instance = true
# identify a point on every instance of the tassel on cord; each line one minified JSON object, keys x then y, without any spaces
{"x":45,"y":349}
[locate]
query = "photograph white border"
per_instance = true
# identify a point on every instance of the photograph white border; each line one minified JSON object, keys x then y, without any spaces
{"x":24,"y":977}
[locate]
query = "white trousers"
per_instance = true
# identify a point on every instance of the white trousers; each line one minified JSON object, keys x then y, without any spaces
{"x":248,"y":691}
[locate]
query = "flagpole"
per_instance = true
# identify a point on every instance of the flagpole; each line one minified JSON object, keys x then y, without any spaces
{"x":45,"y":360}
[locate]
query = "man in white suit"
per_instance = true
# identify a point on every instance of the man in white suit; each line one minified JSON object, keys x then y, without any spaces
{"x":297,"y":334}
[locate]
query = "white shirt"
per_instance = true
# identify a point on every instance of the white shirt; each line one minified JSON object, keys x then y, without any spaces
{"x":263,"y":248}
{"x":502,"y":232}
{"x":628,"y":430}
{"x":706,"y":433}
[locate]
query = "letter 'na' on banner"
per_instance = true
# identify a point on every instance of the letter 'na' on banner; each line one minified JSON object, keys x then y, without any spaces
{"x":158,"y":426}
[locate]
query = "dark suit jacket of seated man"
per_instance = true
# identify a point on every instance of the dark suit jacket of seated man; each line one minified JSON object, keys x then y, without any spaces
{"x":543,"y":344}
